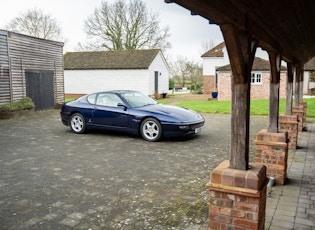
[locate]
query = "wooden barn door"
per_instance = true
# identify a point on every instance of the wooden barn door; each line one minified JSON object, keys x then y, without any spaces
{"x":40,"y":88}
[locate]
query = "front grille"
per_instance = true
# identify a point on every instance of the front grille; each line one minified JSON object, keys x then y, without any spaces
{"x":197,"y":125}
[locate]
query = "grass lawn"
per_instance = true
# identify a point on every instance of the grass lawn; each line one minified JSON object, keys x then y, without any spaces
{"x":70,"y":99}
{"x":257,"y":107}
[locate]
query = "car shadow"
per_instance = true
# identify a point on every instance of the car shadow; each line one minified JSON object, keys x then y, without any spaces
{"x":180,"y":139}
{"x":118,"y":134}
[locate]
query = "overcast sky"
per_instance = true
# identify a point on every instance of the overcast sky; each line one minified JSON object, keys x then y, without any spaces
{"x":187,"y":32}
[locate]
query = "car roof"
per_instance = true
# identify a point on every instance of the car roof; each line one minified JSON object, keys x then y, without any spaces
{"x":115,"y":91}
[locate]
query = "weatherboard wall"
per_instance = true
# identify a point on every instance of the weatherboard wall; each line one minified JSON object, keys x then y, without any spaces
{"x":80,"y":82}
{"x":20,"y":53}
{"x":158,"y":64}
{"x":90,"y":81}
{"x":210,"y":64}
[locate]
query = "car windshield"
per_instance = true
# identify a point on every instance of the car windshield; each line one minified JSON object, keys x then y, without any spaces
{"x":137,"y":99}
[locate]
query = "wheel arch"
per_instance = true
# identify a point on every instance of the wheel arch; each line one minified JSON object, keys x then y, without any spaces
{"x":149,"y":134}
{"x":149,"y":116}
{"x":70,"y":115}
{"x":84,"y":126}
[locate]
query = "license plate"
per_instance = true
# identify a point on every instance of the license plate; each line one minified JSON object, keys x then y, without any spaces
{"x":198,"y":130}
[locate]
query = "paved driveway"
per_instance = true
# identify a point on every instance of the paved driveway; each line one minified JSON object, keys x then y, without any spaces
{"x":51,"y":178}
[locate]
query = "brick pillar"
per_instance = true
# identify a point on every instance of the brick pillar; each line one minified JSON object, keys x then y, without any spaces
{"x":304,"y":105}
{"x":289,"y":123}
{"x":299,"y":111}
{"x":272,"y":151}
{"x":237,"y":197}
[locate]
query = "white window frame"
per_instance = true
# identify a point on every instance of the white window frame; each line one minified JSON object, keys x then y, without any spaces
{"x":257,"y":78}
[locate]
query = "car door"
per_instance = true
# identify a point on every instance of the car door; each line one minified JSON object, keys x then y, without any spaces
{"x":108,"y":113}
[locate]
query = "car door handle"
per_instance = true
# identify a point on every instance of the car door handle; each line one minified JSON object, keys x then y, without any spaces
{"x":93,"y":110}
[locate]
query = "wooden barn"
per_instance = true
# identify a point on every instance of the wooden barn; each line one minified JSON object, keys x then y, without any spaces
{"x":31,"y":67}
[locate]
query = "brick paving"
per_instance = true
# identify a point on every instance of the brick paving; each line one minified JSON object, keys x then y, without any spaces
{"x":292,"y":206}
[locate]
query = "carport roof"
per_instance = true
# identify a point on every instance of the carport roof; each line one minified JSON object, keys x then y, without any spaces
{"x":118,"y":59}
{"x":286,"y":27}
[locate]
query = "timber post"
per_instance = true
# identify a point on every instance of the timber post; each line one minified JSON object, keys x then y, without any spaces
{"x":288,"y":122}
{"x":297,"y":85}
{"x":275,"y":65}
{"x":301,"y":102}
{"x":238,"y":191}
{"x":271,"y":145}
{"x":299,"y":108}
{"x":289,"y":92}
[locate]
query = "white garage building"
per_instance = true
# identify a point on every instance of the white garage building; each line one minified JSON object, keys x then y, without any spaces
{"x":142,"y":70}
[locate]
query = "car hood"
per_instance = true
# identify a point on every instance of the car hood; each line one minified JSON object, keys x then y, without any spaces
{"x":179,"y":113}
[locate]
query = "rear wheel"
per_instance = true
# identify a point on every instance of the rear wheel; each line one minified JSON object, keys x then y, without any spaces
{"x":151,"y":129}
{"x":77,"y":123}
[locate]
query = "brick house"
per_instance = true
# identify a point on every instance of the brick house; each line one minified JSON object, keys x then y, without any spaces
{"x":309,"y":77}
{"x":214,"y":58}
{"x":260,"y":80}
{"x":217,"y":75}
{"x":218,"y":57}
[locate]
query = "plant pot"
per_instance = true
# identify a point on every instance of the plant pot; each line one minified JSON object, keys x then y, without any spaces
{"x":214,"y":94}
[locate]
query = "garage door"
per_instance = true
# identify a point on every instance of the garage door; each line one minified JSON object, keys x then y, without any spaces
{"x":40,"y":88}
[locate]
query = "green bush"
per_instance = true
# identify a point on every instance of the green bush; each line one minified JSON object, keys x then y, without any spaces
{"x":171,"y":84}
{"x":25,"y":103}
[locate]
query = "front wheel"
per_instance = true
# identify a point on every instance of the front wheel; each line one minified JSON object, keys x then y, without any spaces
{"x":151,"y":129}
{"x":77,"y":123}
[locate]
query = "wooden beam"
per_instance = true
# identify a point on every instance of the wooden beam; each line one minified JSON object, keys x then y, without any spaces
{"x":241,"y":49}
{"x":289,"y":92}
{"x":275,"y":66}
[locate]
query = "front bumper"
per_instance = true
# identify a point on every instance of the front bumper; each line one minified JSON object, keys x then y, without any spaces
{"x":171,"y":130}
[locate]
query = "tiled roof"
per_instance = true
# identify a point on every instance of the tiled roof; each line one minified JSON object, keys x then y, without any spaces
{"x":118,"y":59}
{"x":216,"y":51}
{"x":259,"y":64}
{"x":310,"y":65}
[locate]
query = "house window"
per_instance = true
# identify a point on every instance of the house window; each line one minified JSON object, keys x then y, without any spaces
{"x":255,"y":78}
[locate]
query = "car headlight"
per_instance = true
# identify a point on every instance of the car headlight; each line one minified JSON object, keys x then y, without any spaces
{"x":184,"y":127}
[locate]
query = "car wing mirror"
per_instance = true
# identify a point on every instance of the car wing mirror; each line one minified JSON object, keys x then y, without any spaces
{"x":122,"y":105}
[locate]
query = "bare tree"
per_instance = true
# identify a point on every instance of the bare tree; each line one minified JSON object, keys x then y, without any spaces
{"x":186,"y":73}
{"x":120,"y":25}
{"x":194,"y":72}
{"x":206,"y":46}
{"x":37,"y":24}
{"x":179,"y":71}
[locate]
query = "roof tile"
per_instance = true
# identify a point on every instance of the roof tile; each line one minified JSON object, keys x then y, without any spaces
{"x":259,"y":64}
{"x":216,"y":51}
{"x":118,"y":59}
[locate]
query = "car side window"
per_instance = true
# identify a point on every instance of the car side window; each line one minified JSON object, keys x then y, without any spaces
{"x":91,"y":99}
{"x":108,"y":99}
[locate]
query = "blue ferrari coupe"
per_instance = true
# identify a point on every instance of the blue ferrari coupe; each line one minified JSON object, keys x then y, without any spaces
{"x":132,"y":112}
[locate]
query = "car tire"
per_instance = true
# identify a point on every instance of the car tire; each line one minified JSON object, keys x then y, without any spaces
{"x":77,"y":123}
{"x":151,"y":129}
